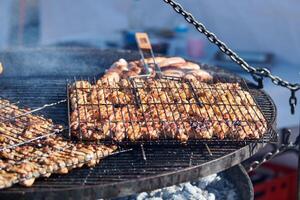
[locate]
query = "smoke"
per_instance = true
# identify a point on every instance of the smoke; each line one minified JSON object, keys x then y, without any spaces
{"x":57,"y":61}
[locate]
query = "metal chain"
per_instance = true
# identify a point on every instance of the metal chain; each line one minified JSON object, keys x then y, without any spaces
{"x":268,"y":156}
{"x":284,"y":146}
{"x":257,"y":73}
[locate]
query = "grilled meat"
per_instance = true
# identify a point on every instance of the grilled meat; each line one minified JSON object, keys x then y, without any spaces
{"x":23,"y":157}
{"x":24,"y":164}
{"x":154,"y":109}
{"x":174,"y":66}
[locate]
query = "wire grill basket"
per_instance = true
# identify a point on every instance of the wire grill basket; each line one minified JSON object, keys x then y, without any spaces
{"x":165,"y":110}
{"x":32,"y":146}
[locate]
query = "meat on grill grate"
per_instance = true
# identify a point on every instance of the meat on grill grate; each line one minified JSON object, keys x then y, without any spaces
{"x":25,"y":155}
{"x":156,"y":109}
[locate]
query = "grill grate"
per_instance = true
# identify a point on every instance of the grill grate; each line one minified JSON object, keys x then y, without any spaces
{"x":123,"y":174}
{"x":168,"y":110}
{"x":116,"y":170}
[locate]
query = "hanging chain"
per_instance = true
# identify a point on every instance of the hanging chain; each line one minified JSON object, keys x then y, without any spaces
{"x":284,"y":146}
{"x":257,"y":73}
{"x":268,"y":156}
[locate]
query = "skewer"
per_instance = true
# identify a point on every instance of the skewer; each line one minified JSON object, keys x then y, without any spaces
{"x":57,"y":163}
{"x":29,"y":141}
{"x":23,"y":165}
{"x":35,"y":110}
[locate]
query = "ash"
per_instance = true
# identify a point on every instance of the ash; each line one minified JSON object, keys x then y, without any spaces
{"x":211,"y":188}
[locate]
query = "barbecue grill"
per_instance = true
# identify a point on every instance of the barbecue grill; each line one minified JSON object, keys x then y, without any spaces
{"x":36,"y":77}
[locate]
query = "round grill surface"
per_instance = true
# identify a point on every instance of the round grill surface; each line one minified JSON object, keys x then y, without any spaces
{"x":38,"y":76}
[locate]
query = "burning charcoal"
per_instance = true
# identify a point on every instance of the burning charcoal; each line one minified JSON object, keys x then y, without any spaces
{"x":154,"y":198}
{"x":178,"y":197}
{"x":168,"y":192}
{"x":142,"y":196}
{"x":211,"y":196}
{"x":190,"y":189}
{"x":156,"y":193}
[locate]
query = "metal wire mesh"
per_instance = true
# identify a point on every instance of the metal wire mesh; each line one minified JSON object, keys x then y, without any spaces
{"x":19,"y":126}
{"x":31,"y":147}
{"x":165,"y":110}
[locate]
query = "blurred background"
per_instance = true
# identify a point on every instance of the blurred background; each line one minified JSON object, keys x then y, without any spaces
{"x":265,"y":33}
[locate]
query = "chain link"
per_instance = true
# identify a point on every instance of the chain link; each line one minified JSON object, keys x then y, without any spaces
{"x":255,"y":72}
{"x":270,"y":155}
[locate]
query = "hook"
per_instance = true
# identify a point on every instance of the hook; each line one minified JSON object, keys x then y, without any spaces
{"x":259,"y":81}
{"x":293,"y":101}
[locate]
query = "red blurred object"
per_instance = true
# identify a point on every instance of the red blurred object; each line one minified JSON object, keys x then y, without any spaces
{"x":274,"y":182}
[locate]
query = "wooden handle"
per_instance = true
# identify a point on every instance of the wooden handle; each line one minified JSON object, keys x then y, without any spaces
{"x":1,"y":68}
{"x":143,"y":41}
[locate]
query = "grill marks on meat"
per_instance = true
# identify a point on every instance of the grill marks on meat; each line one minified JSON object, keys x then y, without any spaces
{"x":165,"y":109}
{"x":40,"y":158}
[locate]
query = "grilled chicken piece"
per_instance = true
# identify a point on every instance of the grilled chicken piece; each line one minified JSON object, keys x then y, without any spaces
{"x":113,"y":74}
{"x":199,"y":74}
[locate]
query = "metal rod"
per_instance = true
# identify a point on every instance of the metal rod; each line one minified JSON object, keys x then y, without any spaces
{"x":194,"y":93}
{"x":208,"y":149}
{"x":191,"y":159}
{"x":77,"y":108}
{"x":106,"y":104}
{"x":28,"y":141}
{"x":69,"y":111}
{"x":146,"y":66}
{"x":35,"y":110}
{"x":143,"y":152}
{"x":157,"y":68}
